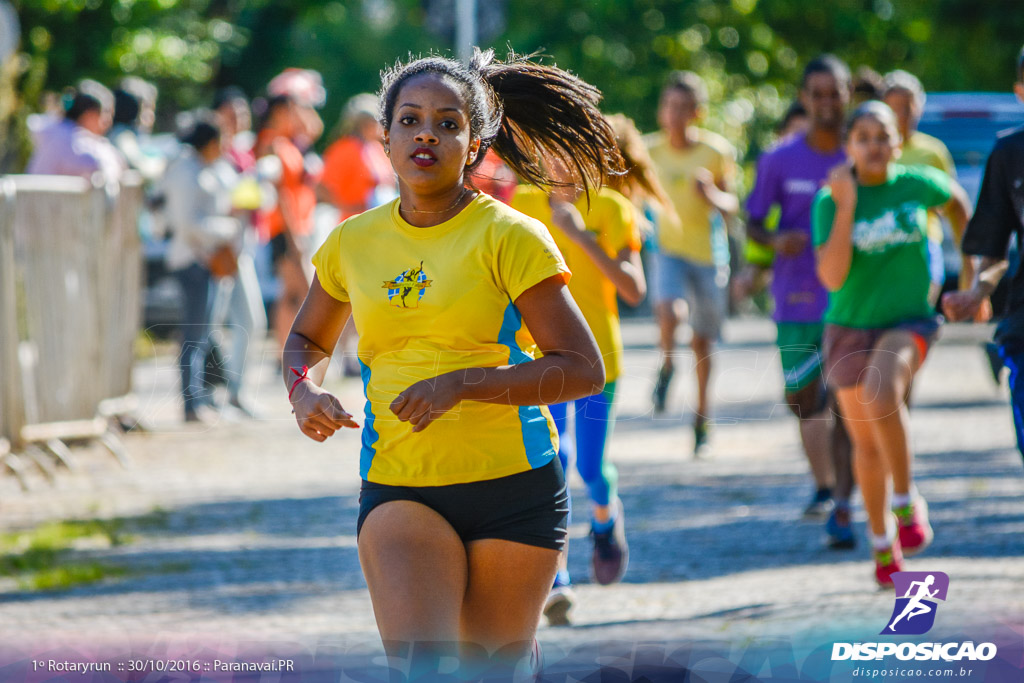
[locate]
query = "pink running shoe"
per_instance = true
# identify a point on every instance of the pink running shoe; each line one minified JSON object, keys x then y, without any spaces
{"x":887,"y":562}
{"x":915,"y":531}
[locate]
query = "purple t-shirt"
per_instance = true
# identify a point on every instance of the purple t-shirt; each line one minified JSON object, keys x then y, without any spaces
{"x":790,"y":175}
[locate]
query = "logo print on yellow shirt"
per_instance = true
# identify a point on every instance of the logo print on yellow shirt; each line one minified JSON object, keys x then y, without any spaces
{"x":406,"y":290}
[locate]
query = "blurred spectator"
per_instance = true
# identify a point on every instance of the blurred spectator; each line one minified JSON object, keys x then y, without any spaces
{"x":74,"y":144}
{"x":290,"y":125}
{"x":305,"y":87}
{"x":867,"y":85}
{"x":357,"y":172}
{"x":238,"y":301}
{"x":235,"y":120}
{"x":198,"y":192}
{"x":134,"y":114}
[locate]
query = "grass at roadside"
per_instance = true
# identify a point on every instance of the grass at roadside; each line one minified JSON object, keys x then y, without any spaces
{"x":49,"y":557}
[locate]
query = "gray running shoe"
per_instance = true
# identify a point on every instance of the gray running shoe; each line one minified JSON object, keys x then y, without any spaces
{"x":559,"y":604}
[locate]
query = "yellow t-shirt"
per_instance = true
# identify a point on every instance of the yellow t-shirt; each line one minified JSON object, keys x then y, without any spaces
{"x":693,"y":236}
{"x":924,"y":150}
{"x":612,"y":219}
{"x":431,"y":300}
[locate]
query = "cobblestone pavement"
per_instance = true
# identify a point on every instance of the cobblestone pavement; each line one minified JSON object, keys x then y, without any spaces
{"x":253,"y":536}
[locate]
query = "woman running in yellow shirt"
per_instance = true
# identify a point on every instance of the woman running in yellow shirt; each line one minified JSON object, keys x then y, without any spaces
{"x":463,"y":504}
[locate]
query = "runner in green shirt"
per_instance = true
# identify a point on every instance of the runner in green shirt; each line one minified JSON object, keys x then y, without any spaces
{"x":870,"y":230}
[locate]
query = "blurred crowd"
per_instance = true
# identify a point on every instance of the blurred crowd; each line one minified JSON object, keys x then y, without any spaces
{"x":234,"y":211}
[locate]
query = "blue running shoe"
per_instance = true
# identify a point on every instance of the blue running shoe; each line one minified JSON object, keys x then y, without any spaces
{"x":840,"y":530}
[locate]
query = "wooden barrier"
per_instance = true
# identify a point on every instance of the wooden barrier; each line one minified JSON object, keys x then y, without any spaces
{"x":70,"y":293}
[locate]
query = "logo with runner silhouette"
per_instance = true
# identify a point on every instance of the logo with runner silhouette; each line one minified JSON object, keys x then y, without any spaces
{"x":916,"y":593}
{"x":406,"y":290}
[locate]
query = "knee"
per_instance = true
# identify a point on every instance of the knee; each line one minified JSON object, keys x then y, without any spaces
{"x":882,"y":399}
{"x":701,"y":348}
{"x":807,"y":401}
{"x":666,"y":312}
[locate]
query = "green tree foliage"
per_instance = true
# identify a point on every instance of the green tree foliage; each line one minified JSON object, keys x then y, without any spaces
{"x":749,"y":51}
{"x":177,"y":44}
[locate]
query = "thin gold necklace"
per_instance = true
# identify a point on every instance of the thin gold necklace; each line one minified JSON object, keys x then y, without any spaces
{"x":465,"y":191}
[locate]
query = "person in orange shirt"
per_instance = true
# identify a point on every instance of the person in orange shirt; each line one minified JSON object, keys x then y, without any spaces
{"x":290,"y":124}
{"x":357,"y":172}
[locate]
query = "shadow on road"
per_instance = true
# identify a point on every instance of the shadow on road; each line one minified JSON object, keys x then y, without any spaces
{"x":685,"y":523}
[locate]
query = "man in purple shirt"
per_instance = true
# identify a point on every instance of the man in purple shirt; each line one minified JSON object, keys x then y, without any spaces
{"x":75,"y":144}
{"x":789,"y":176}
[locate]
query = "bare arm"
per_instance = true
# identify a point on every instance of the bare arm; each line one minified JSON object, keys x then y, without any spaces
{"x":835,"y":255}
{"x":786,"y":242}
{"x":958,"y":210}
{"x":625,"y":270}
{"x":571,"y":367}
{"x":316,"y":329}
{"x":716,"y":193}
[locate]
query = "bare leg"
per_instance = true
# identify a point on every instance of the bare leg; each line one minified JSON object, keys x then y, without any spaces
{"x":842,"y":457}
{"x":403,"y":547}
{"x":896,"y":358}
{"x":702,"y":359}
{"x":508,"y":584}
{"x":816,"y":435}
{"x":416,"y":569}
{"x":668,"y":321}
{"x":869,"y":467}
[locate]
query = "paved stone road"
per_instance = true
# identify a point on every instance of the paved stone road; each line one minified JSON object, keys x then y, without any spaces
{"x":255,"y":533}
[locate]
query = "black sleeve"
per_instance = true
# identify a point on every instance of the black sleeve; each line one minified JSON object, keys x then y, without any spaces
{"x":994,"y":221}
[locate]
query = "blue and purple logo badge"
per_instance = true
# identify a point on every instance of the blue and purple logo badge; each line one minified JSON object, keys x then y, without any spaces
{"x":916,"y":593}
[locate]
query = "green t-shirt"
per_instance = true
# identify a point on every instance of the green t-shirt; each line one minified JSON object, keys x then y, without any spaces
{"x":888,"y":280}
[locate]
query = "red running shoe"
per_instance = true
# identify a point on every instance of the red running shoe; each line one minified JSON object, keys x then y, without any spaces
{"x":915,"y":531}
{"x":888,"y":561}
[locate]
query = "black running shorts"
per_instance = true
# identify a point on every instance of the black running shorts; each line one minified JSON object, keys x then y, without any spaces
{"x":531,"y":507}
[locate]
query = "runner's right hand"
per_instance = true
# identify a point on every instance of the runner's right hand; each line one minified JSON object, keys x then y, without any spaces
{"x":319,"y":412}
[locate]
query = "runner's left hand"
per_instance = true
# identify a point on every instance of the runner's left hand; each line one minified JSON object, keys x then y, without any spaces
{"x":427,"y":400}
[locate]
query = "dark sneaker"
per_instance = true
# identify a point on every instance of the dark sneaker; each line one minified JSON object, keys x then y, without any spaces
{"x":840,"y":530}
{"x":661,"y":384}
{"x":700,"y":438}
{"x":820,"y":506}
{"x":611,"y":553}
